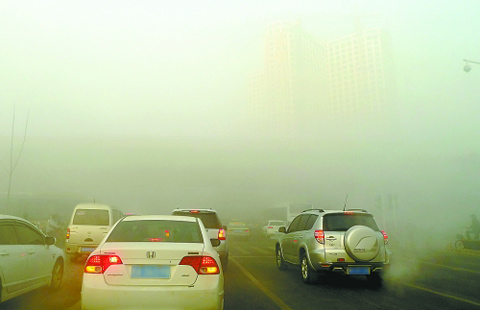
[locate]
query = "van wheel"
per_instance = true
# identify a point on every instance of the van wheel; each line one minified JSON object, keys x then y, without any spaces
{"x":57,"y":275}
{"x":309,"y":276}
{"x":281,"y":264}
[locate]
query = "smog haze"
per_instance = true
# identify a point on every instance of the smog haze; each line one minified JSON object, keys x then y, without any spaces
{"x":158,"y":104}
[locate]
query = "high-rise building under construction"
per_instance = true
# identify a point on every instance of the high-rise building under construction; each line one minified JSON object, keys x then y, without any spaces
{"x":308,"y":86}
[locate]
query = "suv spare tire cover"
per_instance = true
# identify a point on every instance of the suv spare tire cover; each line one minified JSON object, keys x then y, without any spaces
{"x":361,"y":243}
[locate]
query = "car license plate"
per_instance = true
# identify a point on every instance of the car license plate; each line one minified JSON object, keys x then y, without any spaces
{"x":87,"y":249}
{"x":360,"y":271}
{"x":150,"y":272}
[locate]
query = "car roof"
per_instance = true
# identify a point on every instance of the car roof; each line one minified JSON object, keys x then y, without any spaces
{"x":11,"y":217}
{"x":160,"y":218}
{"x":93,"y":206}
{"x":194,"y":209}
{"x":359,"y":211}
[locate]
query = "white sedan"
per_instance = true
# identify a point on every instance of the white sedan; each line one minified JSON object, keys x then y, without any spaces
{"x":154,"y":262}
{"x":28,"y":259}
{"x":272,"y":227}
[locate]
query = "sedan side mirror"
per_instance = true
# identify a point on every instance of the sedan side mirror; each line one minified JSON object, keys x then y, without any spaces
{"x":215,"y":242}
{"x":282,"y":229}
{"x":50,"y":240}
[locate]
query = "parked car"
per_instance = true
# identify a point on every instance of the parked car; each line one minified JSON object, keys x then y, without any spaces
{"x":272,"y":227}
{"x":238,"y":229}
{"x":154,"y":262}
{"x":89,"y":224}
{"x":28,"y":258}
{"x":349,"y":242}
{"x":214,"y":226}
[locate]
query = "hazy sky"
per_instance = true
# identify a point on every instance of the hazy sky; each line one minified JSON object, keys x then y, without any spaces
{"x":180,"y":67}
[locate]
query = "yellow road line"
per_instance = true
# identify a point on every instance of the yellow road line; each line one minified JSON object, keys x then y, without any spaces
{"x":265,"y":290}
{"x":442,"y":294}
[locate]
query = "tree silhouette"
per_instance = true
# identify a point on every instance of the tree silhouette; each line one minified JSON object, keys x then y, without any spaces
{"x":13,"y":163}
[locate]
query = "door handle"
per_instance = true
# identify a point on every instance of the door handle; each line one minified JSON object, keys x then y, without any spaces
{"x":31,"y":252}
{"x":4,"y":254}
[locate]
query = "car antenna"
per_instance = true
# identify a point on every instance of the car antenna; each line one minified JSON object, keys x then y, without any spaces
{"x":345,"y":205}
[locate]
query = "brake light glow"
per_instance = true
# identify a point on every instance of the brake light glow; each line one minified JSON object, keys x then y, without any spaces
{"x":100,"y":263}
{"x":270,"y":227}
{"x":348,"y":212}
{"x":201,"y":264}
{"x":221,"y":234}
{"x":68,"y":234}
{"x":194,"y":211}
{"x":320,"y":236}
{"x":385,"y":237}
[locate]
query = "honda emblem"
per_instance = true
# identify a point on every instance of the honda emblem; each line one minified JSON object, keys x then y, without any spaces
{"x":151,"y":254}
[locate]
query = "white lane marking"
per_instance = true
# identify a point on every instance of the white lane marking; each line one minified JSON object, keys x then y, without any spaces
{"x":443,"y":266}
{"x":450,"y":267}
{"x":442,"y":294}
{"x":265,"y":290}
{"x":265,"y":251}
{"x":242,"y":251}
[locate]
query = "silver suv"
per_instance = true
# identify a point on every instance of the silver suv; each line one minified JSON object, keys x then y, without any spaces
{"x":215,"y":229}
{"x":334,"y":241}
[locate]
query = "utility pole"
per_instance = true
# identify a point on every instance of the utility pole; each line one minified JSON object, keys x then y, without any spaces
{"x":13,"y":163}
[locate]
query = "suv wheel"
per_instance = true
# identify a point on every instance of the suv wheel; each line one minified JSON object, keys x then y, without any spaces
{"x":375,"y":279}
{"x":281,"y":264}
{"x":309,"y":276}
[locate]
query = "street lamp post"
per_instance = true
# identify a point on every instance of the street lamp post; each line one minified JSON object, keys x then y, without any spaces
{"x":467,"y":66}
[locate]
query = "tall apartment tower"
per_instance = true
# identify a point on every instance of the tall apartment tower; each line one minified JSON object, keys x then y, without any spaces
{"x":307,"y":86}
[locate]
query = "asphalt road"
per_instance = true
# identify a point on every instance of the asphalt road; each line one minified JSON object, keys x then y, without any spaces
{"x":440,"y":280}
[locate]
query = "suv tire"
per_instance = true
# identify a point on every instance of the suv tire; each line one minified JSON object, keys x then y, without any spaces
{"x":375,"y":279}
{"x":281,"y":264}
{"x":309,"y":276}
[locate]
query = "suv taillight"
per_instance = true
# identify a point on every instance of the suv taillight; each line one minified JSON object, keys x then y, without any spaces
{"x":201,"y":264}
{"x":100,"y":263}
{"x":221,"y":234}
{"x":68,"y":234}
{"x":320,"y":236}
{"x":385,"y":237}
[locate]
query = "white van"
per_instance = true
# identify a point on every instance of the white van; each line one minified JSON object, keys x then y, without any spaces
{"x":88,"y":226}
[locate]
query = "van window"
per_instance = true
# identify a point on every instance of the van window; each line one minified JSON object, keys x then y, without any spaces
{"x":95,"y":217}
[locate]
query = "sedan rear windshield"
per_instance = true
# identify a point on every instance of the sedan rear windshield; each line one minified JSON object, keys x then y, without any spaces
{"x":342,"y":222}
{"x":156,"y":231}
{"x":209,"y":219}
{"x":94,"y":217}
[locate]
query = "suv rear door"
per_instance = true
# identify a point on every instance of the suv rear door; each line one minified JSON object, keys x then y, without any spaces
{"x":336,"y":225}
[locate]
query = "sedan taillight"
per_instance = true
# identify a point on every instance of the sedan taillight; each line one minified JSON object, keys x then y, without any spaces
{"x":100,"y":263}
{"x":68,"y":234}
{"x":201,"y":264}
{"x":222,"y":234}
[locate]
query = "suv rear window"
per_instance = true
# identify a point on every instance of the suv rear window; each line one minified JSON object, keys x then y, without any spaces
{"x":94,"y":217}
{"x":209,"y":219}
{"x":342,"y":222}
